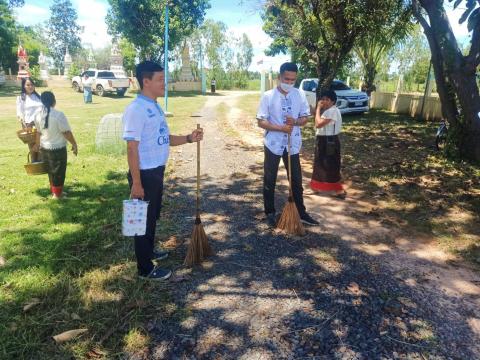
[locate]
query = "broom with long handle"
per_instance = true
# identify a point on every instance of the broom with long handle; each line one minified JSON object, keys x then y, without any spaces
{"x":199,"y":246}
{"x":290,"y":219}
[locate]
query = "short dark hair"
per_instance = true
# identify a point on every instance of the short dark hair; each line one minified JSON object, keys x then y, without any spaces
{"x":329,"y":94}
{"x":288,"y":66}
{"x":145,"y":70}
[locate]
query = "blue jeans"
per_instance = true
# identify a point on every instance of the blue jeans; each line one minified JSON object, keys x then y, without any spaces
{"x":87,"y":94}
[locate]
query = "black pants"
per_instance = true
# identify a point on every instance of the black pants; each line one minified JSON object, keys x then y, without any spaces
{"x":56,"y":161}
{"x":270,"y":168}
{"x":152,"y":183}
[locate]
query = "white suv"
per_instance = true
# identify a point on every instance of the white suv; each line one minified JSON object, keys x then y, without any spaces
{"x":348,"y":100}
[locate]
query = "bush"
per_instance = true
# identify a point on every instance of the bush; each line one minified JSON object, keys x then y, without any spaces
{"x":73,"y":71}
{"x":35,"y":74}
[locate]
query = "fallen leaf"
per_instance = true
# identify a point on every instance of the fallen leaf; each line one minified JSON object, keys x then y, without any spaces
{"x":108,"y":246}
{"x":31,"y":304}
{"x":96,"y":354}
{"x":354,"y":288}
{"x":12,"y":327}
{"x":2,"y":261}
{"x":248,"y":247}
{"x":180,"y":278}
{"x":171,"y":243}
{"x":75,"y":316}
{"x":127,"y":278}
{"x":68,"y":335}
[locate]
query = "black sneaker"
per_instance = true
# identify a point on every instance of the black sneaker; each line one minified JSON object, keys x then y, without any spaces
{"x":159,"y":255}
{"x":271,"y":219}
{"x":157,"y":274}
{"x":307,"y":219}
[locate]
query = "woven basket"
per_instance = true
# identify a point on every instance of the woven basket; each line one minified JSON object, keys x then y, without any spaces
{"x":26,"y":135}
{"x":36,"y":168}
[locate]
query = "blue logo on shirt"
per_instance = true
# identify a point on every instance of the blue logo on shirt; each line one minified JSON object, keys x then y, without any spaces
{"x":150,"y":113}
{"x":163,"y":139}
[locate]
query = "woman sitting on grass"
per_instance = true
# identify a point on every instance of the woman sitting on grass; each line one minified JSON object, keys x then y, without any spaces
{"x":52,"y":135}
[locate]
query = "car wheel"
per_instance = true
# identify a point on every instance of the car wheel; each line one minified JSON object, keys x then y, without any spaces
{"x":76,"y":87}
{"x":100,"y":90}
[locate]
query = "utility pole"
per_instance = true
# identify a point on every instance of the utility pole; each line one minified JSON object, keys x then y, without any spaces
{"x":166,"y":59}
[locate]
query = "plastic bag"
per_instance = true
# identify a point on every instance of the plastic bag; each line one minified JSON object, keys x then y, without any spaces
{"x":134,"y":222}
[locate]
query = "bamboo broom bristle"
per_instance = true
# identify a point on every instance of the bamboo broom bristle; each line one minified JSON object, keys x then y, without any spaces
{"x":290,"y":219}
{"x":199,"y":247}
{"x":195,"y":253}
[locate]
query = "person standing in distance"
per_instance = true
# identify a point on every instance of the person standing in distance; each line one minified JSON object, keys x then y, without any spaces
{"x":148,"y":143}
{"x":283,"y":111}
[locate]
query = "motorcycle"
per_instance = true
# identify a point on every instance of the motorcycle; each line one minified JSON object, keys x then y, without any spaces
{"x":441,"y":136}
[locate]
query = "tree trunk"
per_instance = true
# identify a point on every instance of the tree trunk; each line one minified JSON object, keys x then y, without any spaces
{"x":370,"y":72}
{"x":455,"y":81}
{"x":469,"y":99}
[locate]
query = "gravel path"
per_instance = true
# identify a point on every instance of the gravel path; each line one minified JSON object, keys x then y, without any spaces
{"x":332,"y":294}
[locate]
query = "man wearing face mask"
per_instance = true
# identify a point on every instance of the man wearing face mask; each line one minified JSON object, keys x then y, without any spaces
{"x":282,"y":111}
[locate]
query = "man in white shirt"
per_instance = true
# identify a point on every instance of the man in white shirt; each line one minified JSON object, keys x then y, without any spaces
{"x":148,"y":143}
{"x":282,"y":111}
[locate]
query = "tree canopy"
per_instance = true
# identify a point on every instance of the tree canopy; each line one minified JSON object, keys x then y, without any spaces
{"x":7,"y":32}
{"x":322,"y":33}
{"x":142,"y":23}
{"x":63,"y":30}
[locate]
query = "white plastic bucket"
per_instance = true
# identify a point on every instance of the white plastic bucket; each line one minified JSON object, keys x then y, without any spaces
{"x":134,"y":222}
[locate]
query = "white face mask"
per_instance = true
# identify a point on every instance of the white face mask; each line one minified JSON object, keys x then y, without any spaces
{"x":286,"y":87}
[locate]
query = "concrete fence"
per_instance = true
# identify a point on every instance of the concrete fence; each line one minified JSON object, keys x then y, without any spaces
{"x":408,"y":104}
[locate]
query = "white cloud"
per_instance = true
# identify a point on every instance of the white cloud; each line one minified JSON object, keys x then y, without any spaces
{"x":91,"y":16}
{"x":260,"y":41}
{"x":31,"y":14}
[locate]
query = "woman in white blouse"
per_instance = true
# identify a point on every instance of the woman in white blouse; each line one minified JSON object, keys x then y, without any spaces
{"x":28,"y":104}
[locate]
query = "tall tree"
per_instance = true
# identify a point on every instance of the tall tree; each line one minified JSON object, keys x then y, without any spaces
{"x":374,"y":45}
{"x":321,"y":31}
{"x":245,"y":53}
{"x":31,"y":38}
{"x":455,"y":73}
{"x":63,"y":30}
{"x":412,"y":56}
{"x":212,"y":39}
{"x":129,"y":54}
{"x":142,"y":23}
{"x":7,"y":32}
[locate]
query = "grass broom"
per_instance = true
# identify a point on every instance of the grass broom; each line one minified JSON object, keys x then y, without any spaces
{"x":290,"y":221}
{"x":199,"y":247}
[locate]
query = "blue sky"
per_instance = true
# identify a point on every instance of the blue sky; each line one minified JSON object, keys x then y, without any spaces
{"x":239,"y":16}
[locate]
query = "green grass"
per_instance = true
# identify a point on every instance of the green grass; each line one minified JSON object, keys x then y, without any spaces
{"x":69,"y":255}
{"x":408,"y":184}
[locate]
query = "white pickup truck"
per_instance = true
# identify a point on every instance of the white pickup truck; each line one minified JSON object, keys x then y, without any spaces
{"x":348,"y":100}
{"x":103,"y":81}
